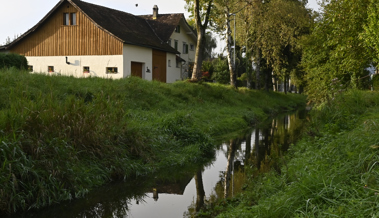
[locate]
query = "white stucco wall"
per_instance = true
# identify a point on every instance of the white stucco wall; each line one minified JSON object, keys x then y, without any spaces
{"x":97,"y":65}
{"x":142,"y":55}
{"x":173,"y":72}
{"x":187,"y":36}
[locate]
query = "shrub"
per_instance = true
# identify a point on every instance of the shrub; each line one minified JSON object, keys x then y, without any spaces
{"x":13,"y":60}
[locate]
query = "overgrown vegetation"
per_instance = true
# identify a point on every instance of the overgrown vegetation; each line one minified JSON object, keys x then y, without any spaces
{"x":332,"y":172}
{"x":62,"y":136}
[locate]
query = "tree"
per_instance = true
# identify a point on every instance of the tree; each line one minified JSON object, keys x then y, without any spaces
{"x":335,"y":54}
{"x":210,"y":42}
{"x":226,"y":9}
{"x":371,"y":30}
{"x":201,"y":21}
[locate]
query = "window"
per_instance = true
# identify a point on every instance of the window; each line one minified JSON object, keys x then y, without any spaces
{"x":69,"y":19}
{"x":177,"y":63}
{"x":30,"y":68}
{"x":169,"y":63}
{"x":86,"y":70}
{"x":185,"y":48}
{"x":177,"y":29}
{"x":192,"y":47}
{"x":169,"y":42}
{"x":50,"y":69}
{"x":176,"y":44}
{"x":66,"y":19}
{"x":73,"y":19}
{"x":111,"y":70}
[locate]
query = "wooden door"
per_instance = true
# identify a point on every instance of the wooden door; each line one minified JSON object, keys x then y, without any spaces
{"x":159,"y":66}
{"x":137,"y":69}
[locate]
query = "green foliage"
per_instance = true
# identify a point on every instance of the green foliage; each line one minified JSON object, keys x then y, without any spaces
{"x":221,"y":71}
{"x":371,"y":33}
{"x":335,"y":51}
{"x":13,"y":60}
{"x":208,"y":67}
{"x":60,"y":137}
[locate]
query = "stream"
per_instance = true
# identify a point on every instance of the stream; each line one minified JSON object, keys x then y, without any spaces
{"x":181,"y":194}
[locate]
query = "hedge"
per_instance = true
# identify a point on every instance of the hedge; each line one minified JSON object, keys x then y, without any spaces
{"x":8,"y":60}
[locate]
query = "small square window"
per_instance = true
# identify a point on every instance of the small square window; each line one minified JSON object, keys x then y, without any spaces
{"x":177,"y":63}
{"x":86,"y":70}
{"x":192,"y":47}
{"x":177,"y":29}
{"x":50,"y":69}
{"x":30,"y":68}
{"x":169,"y":63}
{"x":111,"y":70}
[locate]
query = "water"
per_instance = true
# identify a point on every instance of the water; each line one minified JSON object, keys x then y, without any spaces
{"x":182,"y":193}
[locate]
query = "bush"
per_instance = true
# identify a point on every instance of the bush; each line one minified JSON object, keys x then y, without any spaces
{"x":13,"y":60}
{"x":221,"y":72}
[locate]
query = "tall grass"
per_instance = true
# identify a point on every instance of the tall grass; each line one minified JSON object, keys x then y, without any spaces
{"x":62,"y":136}
{"x":333,"y":172}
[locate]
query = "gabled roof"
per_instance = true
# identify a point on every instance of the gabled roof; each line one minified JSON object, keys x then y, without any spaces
{"x":164,"y":25}
{"x":127,"y":28}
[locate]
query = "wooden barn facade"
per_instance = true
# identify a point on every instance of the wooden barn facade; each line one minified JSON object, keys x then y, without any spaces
{"x":81,"y":39}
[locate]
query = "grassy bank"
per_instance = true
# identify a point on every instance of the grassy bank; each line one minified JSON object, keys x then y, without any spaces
{"x":332,"y":172}
{"x":62,"y":136}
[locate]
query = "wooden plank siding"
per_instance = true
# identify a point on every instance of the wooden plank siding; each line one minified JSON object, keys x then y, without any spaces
{"x":55,"y":39}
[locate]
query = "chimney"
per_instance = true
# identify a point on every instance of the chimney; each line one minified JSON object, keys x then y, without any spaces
{"x":155,"y":12}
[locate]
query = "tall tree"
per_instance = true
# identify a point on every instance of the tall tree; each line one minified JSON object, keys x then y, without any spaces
{"x":226,"y":10}
{"x":201,"y":20}
{"x":335,"y":54}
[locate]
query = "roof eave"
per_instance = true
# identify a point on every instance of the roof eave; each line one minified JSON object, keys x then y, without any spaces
{"x":96,"y":24}
{"x":153,"y":47}
{"x":35,"y":26}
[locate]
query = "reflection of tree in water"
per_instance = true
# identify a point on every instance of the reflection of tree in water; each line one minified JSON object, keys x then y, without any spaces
{"x":271,"y":143}
{"x":263,"y":150}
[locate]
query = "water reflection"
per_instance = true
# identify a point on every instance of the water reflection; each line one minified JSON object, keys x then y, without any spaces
{"x":261,"y":149}
{"x":185,"y":191}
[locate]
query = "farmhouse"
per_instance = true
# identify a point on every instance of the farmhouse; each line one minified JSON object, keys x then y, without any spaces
{"x":81,"y":39}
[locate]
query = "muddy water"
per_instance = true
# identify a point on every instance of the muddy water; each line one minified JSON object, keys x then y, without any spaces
{"x":181,"y":194}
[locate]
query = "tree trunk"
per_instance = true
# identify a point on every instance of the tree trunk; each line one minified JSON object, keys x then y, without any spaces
{"x":229,"y":167}
{"x":196,"y":73}
{"x":285,"y":85}
{"x":200,"y":28}
{"x":231,"y":63}
{"x":258,"y":70}
{"x":267,"y":81}
{"x":199,"y":190}
{"x":274,"y":87}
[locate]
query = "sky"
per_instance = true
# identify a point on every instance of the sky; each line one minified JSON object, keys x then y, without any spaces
{"x":18,"y":16}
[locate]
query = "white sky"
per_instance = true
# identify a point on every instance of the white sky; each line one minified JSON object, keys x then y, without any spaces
{"x":17,"y":16}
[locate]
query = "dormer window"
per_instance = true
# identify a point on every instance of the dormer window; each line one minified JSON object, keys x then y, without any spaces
{"x":177,"y":29}
{"x":69,"y":19}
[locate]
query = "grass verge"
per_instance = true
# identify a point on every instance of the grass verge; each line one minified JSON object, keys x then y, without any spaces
{"x":62,"y":136}
{"x":332,"y":172}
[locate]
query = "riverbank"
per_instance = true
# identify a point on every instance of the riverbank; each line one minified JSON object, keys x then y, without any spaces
{"x":62,"y":136}
{"x":332,"y":172}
